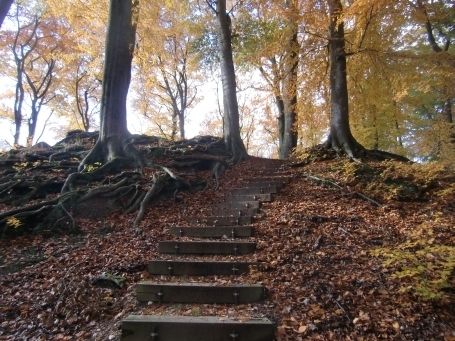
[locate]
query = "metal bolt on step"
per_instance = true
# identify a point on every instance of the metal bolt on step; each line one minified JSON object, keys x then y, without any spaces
{"x":160,"y":295}
{"x":234,"y":336}
{"x":170,"y":268}
{"x":198,"y":220}
{"x":234,"y":270}
{"x":236,"y":249}
{"x":262,"y":190}
{"x":154,"y":335}
{"x":240,"y":213}
{"x":232,"y":234}
{"x":247,"y":205}
{"x":255,"y":198}
{"x":180,"y":233}
{"x":176,"y":248}
{"x":237,"y":222}
{"x":236,"y":297}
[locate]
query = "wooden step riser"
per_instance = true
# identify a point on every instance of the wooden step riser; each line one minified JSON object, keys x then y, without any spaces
{"x":283,"y":179}
{"x":199,"y":268}
{"x":213,"y":231}
{"x":198,"y":293}
{"x":254,"y":190}
{"x":219,"y":221}
{"x":220,"y":248}
{"x":248,"y":197}
{"x":233,"y":212}
{"x":263,"y":184}
{"x":239,"y":204}
{"x":203,"y":328}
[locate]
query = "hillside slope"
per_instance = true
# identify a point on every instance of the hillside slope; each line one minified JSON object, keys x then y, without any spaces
{"x":316,"y":240}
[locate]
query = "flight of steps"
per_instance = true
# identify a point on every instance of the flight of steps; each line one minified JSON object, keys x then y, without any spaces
{"x":229,"y":221}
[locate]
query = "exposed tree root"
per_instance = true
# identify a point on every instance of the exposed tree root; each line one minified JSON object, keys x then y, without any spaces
{"x":217,"y":171}
{"x":157,"y":186}
{"x":334,"y":184}
{"x":102,"y":190}
{"x":326,"y":152}
{"x":24,"y":180}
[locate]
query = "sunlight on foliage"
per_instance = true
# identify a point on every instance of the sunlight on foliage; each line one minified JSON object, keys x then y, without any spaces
{"x":91,"y":168}
{"x":428,"y":263}
{"x":13,"y":222}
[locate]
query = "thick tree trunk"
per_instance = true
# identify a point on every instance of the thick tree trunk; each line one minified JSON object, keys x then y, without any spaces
{"x":288,"y":119}
{"x":5,"y":5}
{"x":340,"y":137}
{"x":120,"y":41}
{"x":231,"y":122}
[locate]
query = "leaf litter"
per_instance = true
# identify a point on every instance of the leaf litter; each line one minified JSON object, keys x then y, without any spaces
{"x":314,"y":242}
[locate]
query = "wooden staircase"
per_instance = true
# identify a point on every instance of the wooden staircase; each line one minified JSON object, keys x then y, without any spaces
{"x":230,"y":221}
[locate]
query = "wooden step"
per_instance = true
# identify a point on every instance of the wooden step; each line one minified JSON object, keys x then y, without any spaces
{"x":239,"y":204}
{"x":226,"y":248}
{"x":198,"y":293}
{"x":195,"y":328}
{"x":219,"y":221}
{"x":233,"y":212}
{"x":200,"y":268}
{"x":284,"y":179}
{"x":278,"y":184}
{"x":251,"y":190}
{"x":213,"y":231}
{"x":249,"y":197}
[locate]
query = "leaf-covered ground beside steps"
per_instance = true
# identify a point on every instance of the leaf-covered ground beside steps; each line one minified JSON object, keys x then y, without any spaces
{"x":315,"y":242}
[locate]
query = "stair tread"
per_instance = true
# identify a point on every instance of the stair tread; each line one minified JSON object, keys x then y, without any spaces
{"x":195,"y":328}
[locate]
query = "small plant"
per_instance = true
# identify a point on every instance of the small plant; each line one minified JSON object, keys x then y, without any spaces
{"x":13,"y":222}
{"x":91,"y":168}
{"x":427,"y":263}
{"x":196,"y":311}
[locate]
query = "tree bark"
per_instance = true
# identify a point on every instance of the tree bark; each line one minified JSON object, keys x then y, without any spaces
{"x":288,"y":117}
{"x":340,"y":137}
{"x":232,"y":136}
{"x":120,"y":41}
{"x":5,"y":5}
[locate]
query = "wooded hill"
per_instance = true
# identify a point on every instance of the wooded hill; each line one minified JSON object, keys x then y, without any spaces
{"x":349,"y":250}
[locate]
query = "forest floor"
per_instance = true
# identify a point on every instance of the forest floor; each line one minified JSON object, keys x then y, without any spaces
{"x":324,"y":279}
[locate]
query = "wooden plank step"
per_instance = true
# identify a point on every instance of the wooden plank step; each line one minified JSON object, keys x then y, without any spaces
{"x":198,"y":293}
{"x":233,"y":212}
{"x":195,"y":328}
{"x":200,"y":268}
{"x":251,"y":190}
{"x":284,"y":179}
{"x":222,"y":248}
{"x":213,"y":231}
{"x":219,"y":221}
{"x":249,"y":197}
{"x":239,"y":204}
{"x":278,"y":184}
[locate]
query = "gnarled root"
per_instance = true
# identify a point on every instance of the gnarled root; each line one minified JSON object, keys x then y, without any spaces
{"x":157,"y":186}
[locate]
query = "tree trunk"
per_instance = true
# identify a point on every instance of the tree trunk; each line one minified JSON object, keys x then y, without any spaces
{"x":288,"y":120}
{"x":340,"y":137}
{"x":5,"y":5}
{"x":232,"y":137}
{"x":120,"y":41}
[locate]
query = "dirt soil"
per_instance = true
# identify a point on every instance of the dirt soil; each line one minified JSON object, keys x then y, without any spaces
{"x":315,"y":240}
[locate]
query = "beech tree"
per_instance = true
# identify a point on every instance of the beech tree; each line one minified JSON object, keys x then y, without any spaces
{"x":5,"y":5}
{"x":288,"y":117}
{"x":166,"y":79}
{"x":113,"y":142}
{"x":231,"y":124}
{"x":340,"y":136}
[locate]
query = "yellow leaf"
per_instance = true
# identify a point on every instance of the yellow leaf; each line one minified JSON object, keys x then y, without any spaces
{"x":302,"y":329}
